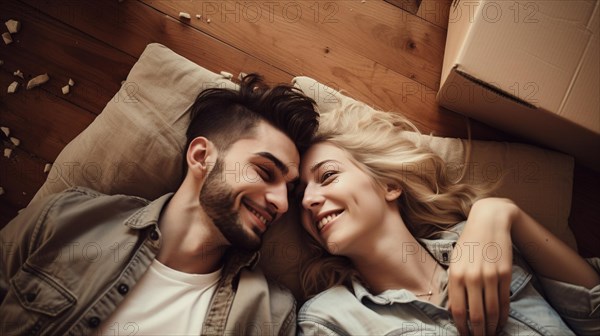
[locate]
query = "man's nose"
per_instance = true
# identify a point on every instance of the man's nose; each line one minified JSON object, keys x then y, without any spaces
{"x":277,"y":198}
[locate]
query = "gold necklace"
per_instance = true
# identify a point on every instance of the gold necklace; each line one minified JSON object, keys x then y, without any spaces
{"x":430,"y":293}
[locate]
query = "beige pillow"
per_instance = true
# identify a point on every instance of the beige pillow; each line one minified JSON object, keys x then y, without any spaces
{"x":540,"y":181}
{"x":135,"y":147}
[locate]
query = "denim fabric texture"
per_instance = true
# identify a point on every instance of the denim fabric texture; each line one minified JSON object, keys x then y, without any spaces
{"x":538,"y":306}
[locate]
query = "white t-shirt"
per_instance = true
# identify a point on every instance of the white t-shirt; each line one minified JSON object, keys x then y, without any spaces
{"x":163,"y":302}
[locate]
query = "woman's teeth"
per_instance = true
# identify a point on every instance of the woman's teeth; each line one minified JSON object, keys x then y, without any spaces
{"x":327,"y":219}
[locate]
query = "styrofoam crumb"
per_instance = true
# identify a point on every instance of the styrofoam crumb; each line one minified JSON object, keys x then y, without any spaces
{"x":18,"y":73}
{"x":226,"y":75}
{"x":7,"y":38}
{"x":5,"y":130}
{"x":12,"y":88}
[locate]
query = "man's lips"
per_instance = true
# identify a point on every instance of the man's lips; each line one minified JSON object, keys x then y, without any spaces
{"x":264,"y":218}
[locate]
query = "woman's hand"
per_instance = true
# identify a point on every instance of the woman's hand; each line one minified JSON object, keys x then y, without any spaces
{"x":480,"y":274}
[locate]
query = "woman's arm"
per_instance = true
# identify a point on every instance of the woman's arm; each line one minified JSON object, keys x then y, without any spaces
{"x":479,"y":277}
{"x":546,"y":254}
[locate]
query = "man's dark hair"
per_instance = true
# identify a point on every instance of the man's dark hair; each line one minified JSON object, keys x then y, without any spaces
{"x":224,"y":116}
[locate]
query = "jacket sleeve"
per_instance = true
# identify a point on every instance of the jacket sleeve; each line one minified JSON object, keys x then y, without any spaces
{"x":578,"y":306}
{"x":18,"y":239}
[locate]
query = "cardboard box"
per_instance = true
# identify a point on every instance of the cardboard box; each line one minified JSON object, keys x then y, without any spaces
{"x":528,"y":67}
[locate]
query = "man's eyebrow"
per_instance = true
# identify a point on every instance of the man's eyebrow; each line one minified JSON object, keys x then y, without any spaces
{"x":280,"y":165}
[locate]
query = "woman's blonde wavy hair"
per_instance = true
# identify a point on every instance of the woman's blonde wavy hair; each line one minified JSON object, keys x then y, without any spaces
{"x":390,"y":149}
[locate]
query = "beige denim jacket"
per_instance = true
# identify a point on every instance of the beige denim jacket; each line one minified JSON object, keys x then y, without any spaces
{"x":68,"y":261}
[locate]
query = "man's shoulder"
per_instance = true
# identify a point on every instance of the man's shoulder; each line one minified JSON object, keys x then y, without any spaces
{"x":76,"y":196}
{"x":87,"y":193}
{"x":80,"y":204}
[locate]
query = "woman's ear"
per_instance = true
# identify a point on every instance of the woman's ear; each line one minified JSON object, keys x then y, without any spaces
{"x":199,"y":155}
{"x":392,"y":192}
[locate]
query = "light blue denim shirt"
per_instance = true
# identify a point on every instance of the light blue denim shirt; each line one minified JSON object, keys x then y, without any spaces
{"x":565,"y":310}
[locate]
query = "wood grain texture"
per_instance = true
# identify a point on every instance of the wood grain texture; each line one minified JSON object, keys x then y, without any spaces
{"x":346,"y":46}
{"x":48,"y":46}
{"x":437,"y":12}
{"x":411,"y":6}
{"x":130,"y":26}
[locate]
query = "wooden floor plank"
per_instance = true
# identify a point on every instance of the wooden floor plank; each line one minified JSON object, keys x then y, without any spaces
{"x":42,"y":122}
{"x":7,"y":213}
{"x":374,"y":32}
{"x":45,"y":45}
{"x":294,"y":47}
{"x":130,"y":26}
{"x":21,"y":176}
{"x":437,"y":12}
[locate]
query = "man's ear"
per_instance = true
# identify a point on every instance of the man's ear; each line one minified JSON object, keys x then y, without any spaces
{"x":392,"y":192}
{"x":201,"y":152}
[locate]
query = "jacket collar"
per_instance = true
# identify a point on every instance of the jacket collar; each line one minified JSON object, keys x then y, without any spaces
{"x":149,"y":214}
{"x":440,"y":248}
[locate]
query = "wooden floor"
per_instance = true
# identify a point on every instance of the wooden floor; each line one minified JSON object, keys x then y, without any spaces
{"x":373,"y":50}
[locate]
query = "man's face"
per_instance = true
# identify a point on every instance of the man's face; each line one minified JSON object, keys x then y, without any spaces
{"x":248,"y":187}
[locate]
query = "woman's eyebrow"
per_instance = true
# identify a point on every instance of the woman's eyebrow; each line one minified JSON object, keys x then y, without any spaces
{"x":320,"y":164}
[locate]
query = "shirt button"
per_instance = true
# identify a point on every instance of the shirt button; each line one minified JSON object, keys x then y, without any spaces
{"x":153,"y":235}
{"x":30,"y":297}
{"x":37,"y":327}
{"x":123,"y":289}
{"x":445,"y":256}
{"x":94,"y":322}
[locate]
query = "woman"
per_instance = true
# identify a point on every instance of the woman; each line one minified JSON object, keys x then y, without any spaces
{"x":387,"y":220}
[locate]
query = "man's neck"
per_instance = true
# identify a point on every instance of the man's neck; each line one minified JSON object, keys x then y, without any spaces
{"x":190,"y":242}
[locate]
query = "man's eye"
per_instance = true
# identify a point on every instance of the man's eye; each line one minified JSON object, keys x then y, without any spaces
{"x":265,"y":173}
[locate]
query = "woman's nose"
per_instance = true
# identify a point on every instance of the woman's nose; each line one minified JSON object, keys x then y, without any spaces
{"x":312,"y":198}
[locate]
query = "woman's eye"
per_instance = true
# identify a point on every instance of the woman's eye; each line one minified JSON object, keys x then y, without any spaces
{"x":327,"y":176}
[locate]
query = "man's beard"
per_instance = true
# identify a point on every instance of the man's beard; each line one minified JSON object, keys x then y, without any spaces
{"x":217,"y":199}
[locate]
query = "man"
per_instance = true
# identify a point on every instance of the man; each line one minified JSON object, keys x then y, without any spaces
{"x":82,"y":262}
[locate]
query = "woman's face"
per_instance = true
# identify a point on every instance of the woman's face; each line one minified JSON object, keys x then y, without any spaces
{"x":342,"y":207}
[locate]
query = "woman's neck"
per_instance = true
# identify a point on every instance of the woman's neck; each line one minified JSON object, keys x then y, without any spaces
{"x":393,"y":259}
